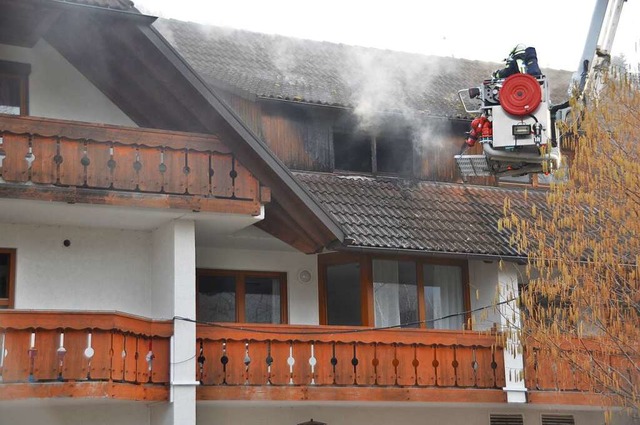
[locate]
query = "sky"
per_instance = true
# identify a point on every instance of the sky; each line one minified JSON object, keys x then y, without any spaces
{"x":455,"y":28}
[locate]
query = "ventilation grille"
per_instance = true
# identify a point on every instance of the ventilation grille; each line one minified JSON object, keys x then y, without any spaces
{"x":558,"y":420}
{"x":506,"y":419}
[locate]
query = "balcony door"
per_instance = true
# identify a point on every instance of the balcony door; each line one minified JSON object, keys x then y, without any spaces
{"x":386,"y":291}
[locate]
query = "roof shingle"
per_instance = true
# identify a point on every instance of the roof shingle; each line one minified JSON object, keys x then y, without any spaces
{"x":422,"y":216}
{"x":107,"y":4}
{"x":326,"y":73}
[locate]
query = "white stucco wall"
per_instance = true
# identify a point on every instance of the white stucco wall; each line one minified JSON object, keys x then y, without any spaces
{"x":302,"y":297}
{"x":383,"y":414}
{"x":31,"y":412}
{"x":102,"y":269}
{"x":483,"y":282}
{"x":162,"y":272}
{"x":58,"y":90}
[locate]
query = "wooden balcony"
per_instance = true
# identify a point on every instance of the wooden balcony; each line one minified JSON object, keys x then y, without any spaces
{"x":90,"y":163}
{"x":552,"y":377}
{"x":83,"y":354}
{"x":103,"y":355}
{"x":341,"y":363}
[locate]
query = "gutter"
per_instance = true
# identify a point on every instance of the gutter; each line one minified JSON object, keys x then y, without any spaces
{"x":241,"y":129}
{"x":347,"y":247}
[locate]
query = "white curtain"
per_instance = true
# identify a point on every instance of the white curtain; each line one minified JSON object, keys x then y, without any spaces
{"x":386,"y":292}
{"x":443,"y":296}
{"x":262,"y":301}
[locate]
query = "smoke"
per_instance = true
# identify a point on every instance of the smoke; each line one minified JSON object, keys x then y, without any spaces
{"x":385,"y":89}
{"x":392,"y":86}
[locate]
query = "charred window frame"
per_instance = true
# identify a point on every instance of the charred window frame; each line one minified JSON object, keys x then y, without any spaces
{"x":7,"y":277}
{"x":357,"y":272}
{"x":390,"y":154}
{"x":352,"y":152}
{"x":14,"y":88}
{"x":235,"y":288}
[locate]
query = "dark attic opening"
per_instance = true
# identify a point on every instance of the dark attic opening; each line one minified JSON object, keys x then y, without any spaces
{"x":385,"y":150}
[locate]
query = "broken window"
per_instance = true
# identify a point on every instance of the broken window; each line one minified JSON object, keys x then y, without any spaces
{"x":352,"y":152}
{"x":365,"y":153}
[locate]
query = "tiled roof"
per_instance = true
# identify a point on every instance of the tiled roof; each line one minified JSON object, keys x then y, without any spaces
{"x":422,"y":216}
{"x":107,"y":4}
{"x":332,"y":74}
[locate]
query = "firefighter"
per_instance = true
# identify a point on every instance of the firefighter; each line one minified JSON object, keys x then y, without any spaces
{"x":521,"y":59}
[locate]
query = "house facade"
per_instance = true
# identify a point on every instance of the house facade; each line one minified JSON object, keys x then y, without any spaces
{"x":202,"y":226}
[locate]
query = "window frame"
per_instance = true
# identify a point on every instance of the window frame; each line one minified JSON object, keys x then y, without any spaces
{"x":19,"y":71}
{"x":240,"y":276}
{"x":374,"y":161}
{"x":8,"y":303}
{"x":366,"y":283}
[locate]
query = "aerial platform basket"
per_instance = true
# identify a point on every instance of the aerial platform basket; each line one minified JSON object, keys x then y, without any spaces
{"x":473,"y":165}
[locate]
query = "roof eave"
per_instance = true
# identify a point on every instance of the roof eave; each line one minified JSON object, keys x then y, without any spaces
{"x":133,"y":14}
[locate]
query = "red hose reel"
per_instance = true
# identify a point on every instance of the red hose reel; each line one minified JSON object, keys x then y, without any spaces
{"x":520,"y":94}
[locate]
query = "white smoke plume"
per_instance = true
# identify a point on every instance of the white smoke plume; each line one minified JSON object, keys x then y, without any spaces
{"x":380,"y":85}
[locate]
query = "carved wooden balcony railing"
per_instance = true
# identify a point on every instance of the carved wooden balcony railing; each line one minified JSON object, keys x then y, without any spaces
{"x":83,"y":354}
{"x":307,"y":359}
{"x":80,"y":162}
{"x":547,"y":369}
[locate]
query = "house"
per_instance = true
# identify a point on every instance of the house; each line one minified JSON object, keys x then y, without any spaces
{"x":189,"y":234}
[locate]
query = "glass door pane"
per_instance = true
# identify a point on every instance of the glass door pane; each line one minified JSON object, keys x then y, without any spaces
{"x":216,"y":298}
{"x":395,"y":293}
{"x":4,"y":280}
{"x":343,"y":295}
{"x":443,"y":296}
{"x":10,"y":95}
{"x":262,"y":300}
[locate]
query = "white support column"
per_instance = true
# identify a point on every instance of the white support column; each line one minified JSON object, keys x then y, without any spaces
{"x":173,"y":295}
{"x":510,"y":321}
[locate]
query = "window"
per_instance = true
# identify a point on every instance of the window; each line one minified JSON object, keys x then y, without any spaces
{"x":342,"y":295}
{"x":385,"y":154}
{"x":362,"y":290}
{"x":394,"y":155}
{"x":7,"y":277}
{"x":352,"y":152}
{"x":241,"y":296}
{"x":443,"y":296}
{"x":395,"y":293}
{"x":14,"y":88}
